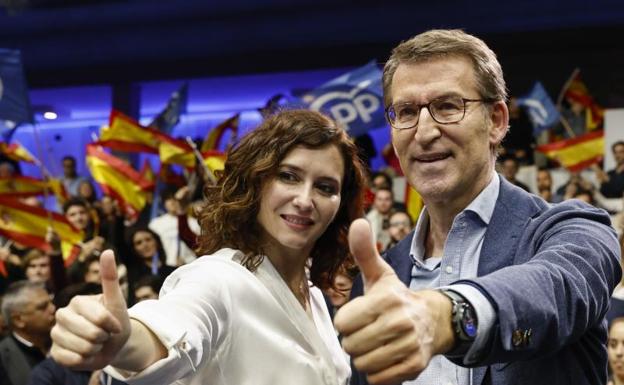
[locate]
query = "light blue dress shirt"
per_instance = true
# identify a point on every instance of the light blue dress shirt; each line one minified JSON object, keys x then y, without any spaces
{"x":460,"y":261}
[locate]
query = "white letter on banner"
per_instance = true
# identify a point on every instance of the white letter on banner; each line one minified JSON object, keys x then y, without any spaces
{"x":344,"y":113}
{"x":360,"y":103}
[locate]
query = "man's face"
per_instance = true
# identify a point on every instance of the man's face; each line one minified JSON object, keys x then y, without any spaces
{"x":618,"y":154}
{"x":69,"y":168}
{"x":78,"y":216}
{"x":38,"y":269}
{"x":510,"y":169}
{"x":383,"y":201}
{"x":37,"y":317}
{"x":544,"y":181}
{"x":446,"y":162}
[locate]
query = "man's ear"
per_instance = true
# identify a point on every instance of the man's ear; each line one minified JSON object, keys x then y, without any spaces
{"x":499,"y":117}
{"x":17,"y":321}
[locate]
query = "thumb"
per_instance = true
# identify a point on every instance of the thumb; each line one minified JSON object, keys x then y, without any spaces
{"x":362,"y":246}
{"x":111,"y":291}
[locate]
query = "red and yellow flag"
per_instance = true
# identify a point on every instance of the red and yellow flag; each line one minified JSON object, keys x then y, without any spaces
{"x":25,"y":186}
{"x":17,"y":152}
{"x":118,"y":179}
{"x":174,"y":151}
{"x":577,"y":153}
{"x":28,"y":225}
{"x":413,"y":202}
{"x":214,"y":160}
{"x":577,"y":92}
{"x":213,"y":139}
{"x":126,"y":134}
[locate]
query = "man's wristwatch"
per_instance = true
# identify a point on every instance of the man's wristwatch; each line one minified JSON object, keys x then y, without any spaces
{"x":463,"y":321}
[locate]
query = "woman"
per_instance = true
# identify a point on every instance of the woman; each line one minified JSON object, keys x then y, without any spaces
{"x":615,"y":349}
{"x":246,"y":313}
{"x":147,"y":257}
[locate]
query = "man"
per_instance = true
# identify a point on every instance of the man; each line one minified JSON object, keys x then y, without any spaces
{"x":509,"y":169}
{"x":71,"y":179}
{"x":612,"y":182}
{"x":29,"y":315}
{"x":510,"y":289}
{"x":379,"y":216}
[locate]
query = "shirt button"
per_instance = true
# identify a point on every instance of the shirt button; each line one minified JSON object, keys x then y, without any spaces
{"x":449,"y":269}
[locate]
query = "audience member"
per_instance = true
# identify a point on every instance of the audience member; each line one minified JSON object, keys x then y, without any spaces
{"x":147,"y":287}
{"x":612,"y":182}
{"x":71,"y":180}
{"x":379,"y":216}
{"x":29,"y":314}
{"x":400,"y":226}
{"x":615,"y":348}
{"x":509,"y":169}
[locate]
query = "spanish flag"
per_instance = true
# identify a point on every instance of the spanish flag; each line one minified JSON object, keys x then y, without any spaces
{"x":126,"y":134}
{"x":214,"y":160}
{"x":413,"y":202}
{"x":577,"y":91}
{"x":174,"y":151}
{"x":25,"y":186}
{"x":28,"y":225}
{"x":17,"y":152}
{"x":118,"y":179}
{"x":213,"y":139}
{"x":576,"y":153}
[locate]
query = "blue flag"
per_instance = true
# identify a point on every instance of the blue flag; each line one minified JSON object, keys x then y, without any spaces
{"x":354,"y":99}
{"x":542,"y":111}
{"x":14,"y":102}
{"x":170,"y":116}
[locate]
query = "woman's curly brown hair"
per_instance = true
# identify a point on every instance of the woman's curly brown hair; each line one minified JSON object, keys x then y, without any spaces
{"x":229,"y":215}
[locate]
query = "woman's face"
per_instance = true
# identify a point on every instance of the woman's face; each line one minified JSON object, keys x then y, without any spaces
{"x":400,"y":226}
{"x":144,"y":244}
{"x":298,"y":204}
{"x":78,"y":216}
{"x":340,"y":295}
{"x":85,"y":190}
{"x":615,"y":348}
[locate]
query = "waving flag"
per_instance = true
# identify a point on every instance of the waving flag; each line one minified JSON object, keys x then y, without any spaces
{"x":118,"y":179}
{"x":126,"y":134}
{"x":354,"y":99}
{"x":213,"y":139}
{"x":25,"y":186}
{"x":575,"y":90}
{"x":28,"y":225}
{"x":214,"y":160}
{"x":577,"y":153}
{"x":17,"y":152}
{"x":541,"y":110}
{"x":14,"y":101}
{"x":170,"y":116}
{"x":175,"y":151}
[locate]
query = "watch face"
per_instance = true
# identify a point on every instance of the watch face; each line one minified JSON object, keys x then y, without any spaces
{"x":469,"y":323}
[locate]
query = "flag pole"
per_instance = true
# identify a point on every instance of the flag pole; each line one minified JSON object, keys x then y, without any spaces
{"x":566,"y":125}
{"x":566,"y":85}
{"x":200,"y":159}
{"x":44,"y":171}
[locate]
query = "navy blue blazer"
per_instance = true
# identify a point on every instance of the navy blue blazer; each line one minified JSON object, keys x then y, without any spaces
{"x":549,"y":271}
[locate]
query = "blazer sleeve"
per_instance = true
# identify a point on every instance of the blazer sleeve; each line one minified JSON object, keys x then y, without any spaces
{"x":557,"y":291}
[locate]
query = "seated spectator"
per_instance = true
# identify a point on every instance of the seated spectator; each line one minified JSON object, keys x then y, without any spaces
{"x":612,"y":182}
{"x":509,"y":169}
{"x":400,"y":225}
{"x":29,"y":315}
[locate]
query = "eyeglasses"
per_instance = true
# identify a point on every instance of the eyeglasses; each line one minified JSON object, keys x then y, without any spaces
{"x":444,"y":110}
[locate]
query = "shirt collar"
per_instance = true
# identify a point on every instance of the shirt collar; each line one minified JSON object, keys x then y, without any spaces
{"x":483,"y":205}
{"x":23,"y":340}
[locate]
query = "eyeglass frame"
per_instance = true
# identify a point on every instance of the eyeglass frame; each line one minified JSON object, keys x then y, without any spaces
{"x":421,"y":106}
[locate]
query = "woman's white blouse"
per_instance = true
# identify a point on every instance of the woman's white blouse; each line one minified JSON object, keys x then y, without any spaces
{"x":223,"y":325}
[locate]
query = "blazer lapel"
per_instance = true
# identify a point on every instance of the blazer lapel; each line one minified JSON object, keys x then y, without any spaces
{"x":398,"y":257}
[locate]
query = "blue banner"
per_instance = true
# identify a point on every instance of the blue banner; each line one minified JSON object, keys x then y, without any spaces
{"x":354,"y":99}
{"x":14,"y":101}
{"x":170,"y":116}
{"x":541,"y":110}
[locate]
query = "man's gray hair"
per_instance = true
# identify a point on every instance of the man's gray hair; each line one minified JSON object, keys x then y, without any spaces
{"x":439,"y":43}
{"x":17,"y":296}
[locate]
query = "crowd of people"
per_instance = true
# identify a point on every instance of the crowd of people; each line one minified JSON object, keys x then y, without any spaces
{"x":491,"y":284}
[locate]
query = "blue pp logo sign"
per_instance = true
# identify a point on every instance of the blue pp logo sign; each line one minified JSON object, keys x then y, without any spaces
{"x":356,"y":107}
